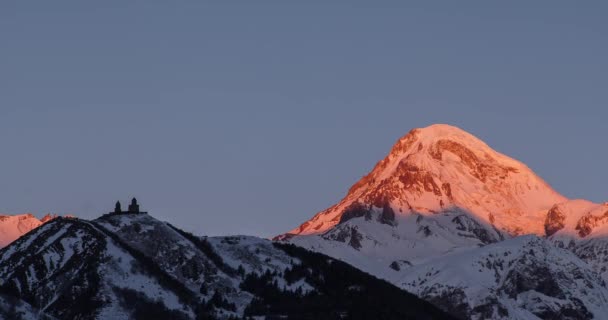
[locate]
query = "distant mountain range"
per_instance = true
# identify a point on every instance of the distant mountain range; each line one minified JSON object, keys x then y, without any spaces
{"x":443,"y":227}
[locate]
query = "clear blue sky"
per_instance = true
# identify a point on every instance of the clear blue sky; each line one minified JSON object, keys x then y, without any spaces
{"x":249,"y":117}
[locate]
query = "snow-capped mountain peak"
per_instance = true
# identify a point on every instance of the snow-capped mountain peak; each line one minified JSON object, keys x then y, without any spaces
{"x":439,"y":168}
{"x":458,"y":223}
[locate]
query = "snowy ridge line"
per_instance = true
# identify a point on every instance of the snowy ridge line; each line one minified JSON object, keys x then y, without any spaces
{"x":136,"y":267}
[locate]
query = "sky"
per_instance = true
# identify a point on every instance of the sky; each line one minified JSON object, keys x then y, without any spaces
{"x":249,"y":117}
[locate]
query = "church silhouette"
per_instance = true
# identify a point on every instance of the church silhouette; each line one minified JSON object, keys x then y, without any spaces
{"x":133,"y":208}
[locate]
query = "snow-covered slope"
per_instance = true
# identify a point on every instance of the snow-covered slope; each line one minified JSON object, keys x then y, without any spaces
{"x":71,"y":268}
{"x":381,"y":248}
{"x":132,"y":266}
{"x":14,"y":226}
{"x":520,"y":278}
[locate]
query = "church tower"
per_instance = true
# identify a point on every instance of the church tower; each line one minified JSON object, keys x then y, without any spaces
{"x":117,"y":208}
{"x":134,"y":207}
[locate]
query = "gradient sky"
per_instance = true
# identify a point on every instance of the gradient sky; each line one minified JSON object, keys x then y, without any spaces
{"x":248,"y":118}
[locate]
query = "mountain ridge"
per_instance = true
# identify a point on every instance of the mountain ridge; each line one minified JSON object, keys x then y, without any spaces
{"x":132,"y":266}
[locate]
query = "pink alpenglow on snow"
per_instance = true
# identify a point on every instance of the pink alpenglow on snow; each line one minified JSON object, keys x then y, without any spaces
{"x":441,"y":168}
{"x":14,"y":226}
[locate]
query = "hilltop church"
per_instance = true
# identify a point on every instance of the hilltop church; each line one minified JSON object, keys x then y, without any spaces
{"x":133,"y":208}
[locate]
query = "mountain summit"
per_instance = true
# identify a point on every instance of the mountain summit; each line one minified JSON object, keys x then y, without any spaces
{"x":443,"y":168}
{"x":469,"y":229}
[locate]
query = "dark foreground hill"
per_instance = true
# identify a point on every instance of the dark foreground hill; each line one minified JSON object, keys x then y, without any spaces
{"x":133,"y":266}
